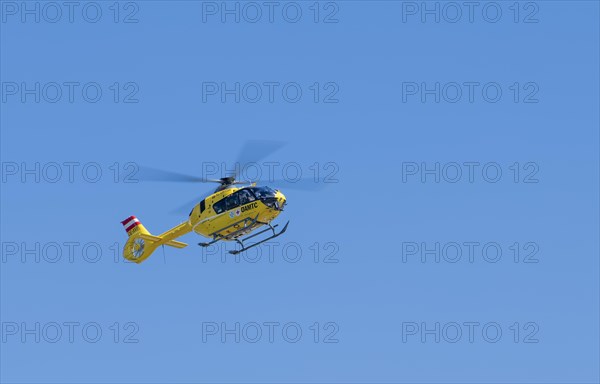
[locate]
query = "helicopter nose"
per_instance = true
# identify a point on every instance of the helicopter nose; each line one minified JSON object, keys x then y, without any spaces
{"x":281,"y":199}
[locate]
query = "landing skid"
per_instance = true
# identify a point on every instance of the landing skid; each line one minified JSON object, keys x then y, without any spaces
{"x":247,"y":226}
{"x":271,"y":228}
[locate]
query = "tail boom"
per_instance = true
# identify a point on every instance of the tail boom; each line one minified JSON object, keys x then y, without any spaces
{"x":141,"y":243}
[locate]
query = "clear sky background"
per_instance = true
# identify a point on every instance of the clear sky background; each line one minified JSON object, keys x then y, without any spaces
{"x":373,"y":126}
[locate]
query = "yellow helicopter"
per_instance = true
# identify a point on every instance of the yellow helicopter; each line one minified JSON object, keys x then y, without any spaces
{"x":228,"y":214}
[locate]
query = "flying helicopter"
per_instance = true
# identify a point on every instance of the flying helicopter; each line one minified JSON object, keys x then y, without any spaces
{"x":232,"y":212}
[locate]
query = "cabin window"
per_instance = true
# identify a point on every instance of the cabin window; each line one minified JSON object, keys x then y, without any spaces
{"x":219,"y":206}
{"x":241,"y":197}
{"x":202,"y":206}
{"x":232,"y":201}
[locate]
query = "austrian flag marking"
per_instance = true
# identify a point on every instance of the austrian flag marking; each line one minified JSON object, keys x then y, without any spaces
{"x":130,"y":223}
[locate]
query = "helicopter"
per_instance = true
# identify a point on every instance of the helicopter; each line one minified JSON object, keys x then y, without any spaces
{"x":232,"y":212}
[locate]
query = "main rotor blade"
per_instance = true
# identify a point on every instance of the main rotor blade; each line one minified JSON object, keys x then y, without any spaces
{"x":254,"y":151}
{"x":154,"y":174}
{"x":184,"y":209}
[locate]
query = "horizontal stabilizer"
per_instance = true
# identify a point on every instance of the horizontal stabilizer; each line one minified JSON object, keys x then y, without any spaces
{"x":176,"y":244}
{"x":157,"y":239}
{"x":149,"y":237}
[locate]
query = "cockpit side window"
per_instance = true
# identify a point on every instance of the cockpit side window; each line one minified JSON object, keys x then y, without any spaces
{"x":202,"y":206}
{"x":246,"y":196}
{"x":262,"y":192}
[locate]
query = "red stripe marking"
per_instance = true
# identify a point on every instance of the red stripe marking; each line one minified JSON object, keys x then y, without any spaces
{"x":127,"y":220}
{"x":133,"y":226}
{"x":131,"y":223}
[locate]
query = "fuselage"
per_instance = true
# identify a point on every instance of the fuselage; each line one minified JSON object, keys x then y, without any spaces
{"x":230,"y":210}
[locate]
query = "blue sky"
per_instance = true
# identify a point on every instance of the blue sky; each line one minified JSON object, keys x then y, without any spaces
{"x":452,"y":236}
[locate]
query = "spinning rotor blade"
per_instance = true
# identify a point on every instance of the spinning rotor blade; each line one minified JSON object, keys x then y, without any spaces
{"x":254,"y":151}
{"x":184,"y":209}
{"x":154,"y":174}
